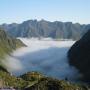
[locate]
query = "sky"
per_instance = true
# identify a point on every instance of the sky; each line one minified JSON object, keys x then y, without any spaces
{"x":17,"y":11}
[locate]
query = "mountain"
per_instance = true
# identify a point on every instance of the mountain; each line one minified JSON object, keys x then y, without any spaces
{"x":30,"y":80}
{"x":79,"y":56}
{"x":7,"y":45}
{"x":57,"y":29}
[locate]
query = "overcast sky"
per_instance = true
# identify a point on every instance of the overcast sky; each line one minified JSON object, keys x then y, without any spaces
{"x":51,"y":10}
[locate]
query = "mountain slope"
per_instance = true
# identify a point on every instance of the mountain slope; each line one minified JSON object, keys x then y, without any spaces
{"x":42,"y":82}
{"x":7,"y":45}
{"x":34,"y":28}
{"x":79,"y":56}
{"x":36,"y":83}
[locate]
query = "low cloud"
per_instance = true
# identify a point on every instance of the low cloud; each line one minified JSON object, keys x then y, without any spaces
{"x":46,"y":56}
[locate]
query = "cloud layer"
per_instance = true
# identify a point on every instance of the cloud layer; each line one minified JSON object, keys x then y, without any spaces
{"x":46,"y":56}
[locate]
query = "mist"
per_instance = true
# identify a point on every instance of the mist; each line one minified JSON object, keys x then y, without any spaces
{"x":46,"y":56}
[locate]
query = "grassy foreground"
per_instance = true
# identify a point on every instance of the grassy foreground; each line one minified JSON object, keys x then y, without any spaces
{"x":36,"y":81}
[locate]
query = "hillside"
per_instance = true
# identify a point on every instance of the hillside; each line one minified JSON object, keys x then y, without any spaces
{"x":41,"y":82}
{"x":7,"y":45}
{"x":79,"y":56}
{"x":37,"y":81}
{"x":57,"y":29}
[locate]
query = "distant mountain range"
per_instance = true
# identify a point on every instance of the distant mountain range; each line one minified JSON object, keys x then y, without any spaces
{"x":57,"y":29}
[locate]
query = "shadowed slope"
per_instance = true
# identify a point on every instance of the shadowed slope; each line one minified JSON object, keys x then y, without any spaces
{"x":79,"y":55}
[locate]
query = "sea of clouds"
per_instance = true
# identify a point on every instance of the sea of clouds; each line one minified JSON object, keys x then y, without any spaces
{"x":47,"y":56}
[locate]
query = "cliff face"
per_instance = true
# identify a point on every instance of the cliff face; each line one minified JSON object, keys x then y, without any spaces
{"x":57,"y":29}
{"x":79,"y":56}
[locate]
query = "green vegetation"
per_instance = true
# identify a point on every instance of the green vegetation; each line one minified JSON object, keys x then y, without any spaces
{"x":7,"y":45}
{"x":36,"y":81}
{"x":11,"y":81}
{"x":47,"y":83}
{"x":19,"y":43}
{"x":32,"y":76}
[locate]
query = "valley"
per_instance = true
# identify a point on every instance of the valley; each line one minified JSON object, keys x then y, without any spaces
{"x":48,"y":57}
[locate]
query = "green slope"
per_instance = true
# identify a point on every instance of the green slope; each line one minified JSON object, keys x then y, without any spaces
{"x":37,"y":81}
{"x":7,"y":45}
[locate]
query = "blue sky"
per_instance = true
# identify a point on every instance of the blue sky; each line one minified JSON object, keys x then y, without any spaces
{"x":51,"y":10}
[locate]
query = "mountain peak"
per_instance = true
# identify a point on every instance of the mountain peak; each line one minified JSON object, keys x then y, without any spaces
{"x":43,"y":28}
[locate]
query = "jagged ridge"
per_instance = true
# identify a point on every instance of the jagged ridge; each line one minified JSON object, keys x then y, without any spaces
{"x":57,"y":29}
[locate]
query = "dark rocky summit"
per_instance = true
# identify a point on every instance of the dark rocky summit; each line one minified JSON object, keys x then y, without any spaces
{"x":79,"y":56}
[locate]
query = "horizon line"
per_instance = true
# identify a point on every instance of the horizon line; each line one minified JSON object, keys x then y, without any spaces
{"x":38,"y":20}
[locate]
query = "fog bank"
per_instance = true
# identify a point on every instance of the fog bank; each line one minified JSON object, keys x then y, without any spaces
{"x":46,"y":56}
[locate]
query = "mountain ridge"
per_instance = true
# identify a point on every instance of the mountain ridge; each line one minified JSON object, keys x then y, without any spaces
{"x":43,"y":28}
